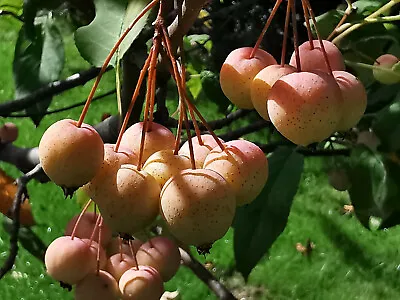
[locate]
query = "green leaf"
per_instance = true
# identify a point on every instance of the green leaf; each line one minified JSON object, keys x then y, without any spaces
{"x":212,"y":90}
{"x":259,"y":224}
{"x":366,"y":7}
{"x":38,"y":60}
{"x":387,"y":126}
{"x":96,"y":40}
{"x":374,"y":186}
{"x":327,"y":22}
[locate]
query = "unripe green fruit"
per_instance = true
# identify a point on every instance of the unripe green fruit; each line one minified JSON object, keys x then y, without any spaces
{"x":198,"y":206}
{"x":8,"y":133}
{"x":164,"y":164}
{"x":159,"y":138}
{"x":97,"y":286}
{"x":200,"y":151}
{"x":354,"y":99}
{"x":262,"y":84}
{"x":162,"y":254}
{"x":85,"y":228}
{"x":69,"y":260}
{"x":305,"y":107}
{"x":313,"y":59}
{"x":134,"y":204}
{"x":243,"y":165}
{"x":385,"y":74}
{"x":145,"y":283}
{"x":238,"y":71}
{"x":71,"y":155}
{"x":119,"y":263}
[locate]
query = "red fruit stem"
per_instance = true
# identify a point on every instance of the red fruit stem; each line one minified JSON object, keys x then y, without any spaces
{"x":99,"y":245}
{"x":347,"y":12}
{"x":319,"y":37}
{"x":192,"y":116}
{"x":261,"y":36}
{"x":307,"y":19}
{"x":133,"y":100}
{"x":295,"y":34}
{"x":80,"y":217}
{"x":285,"y":35}
{"x":167,"y":43}
{"x":189,"y":136}
{"x":133,"y":254}
{"x":152,"y":97}
{"x":179,"y":129}
{"x":94,"y":229}
{"x":109,"y":57}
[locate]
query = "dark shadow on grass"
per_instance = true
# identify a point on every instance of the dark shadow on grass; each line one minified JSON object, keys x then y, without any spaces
{"x":355,"y":254}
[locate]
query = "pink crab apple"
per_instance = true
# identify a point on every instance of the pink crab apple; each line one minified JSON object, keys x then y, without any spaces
{"x":238,"y":71}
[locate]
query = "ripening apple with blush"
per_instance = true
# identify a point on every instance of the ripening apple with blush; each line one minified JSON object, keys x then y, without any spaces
{"x":238,"y":71}
{"x":384,"y":72}
{"x":97,"y":286}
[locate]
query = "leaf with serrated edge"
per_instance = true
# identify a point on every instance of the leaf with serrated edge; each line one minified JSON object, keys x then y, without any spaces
{"x":96,"y":40}
{"x":259,"y":224}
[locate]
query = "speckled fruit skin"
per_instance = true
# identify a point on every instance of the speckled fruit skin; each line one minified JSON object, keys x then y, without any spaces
{"x":135,"y":203}
{"x":70,"y":155}
{"x":159,"y":138}
{"x":243,"y":165}
{"x":354,"y":99}
{"x":85,"y":228}
{"x":103,"y":184}
{"x":198,"y":206}
{"x":164,"y":164}
{"x":305,"y":107}
{"x":145,"y":283}
{"x":200,"y":151}
{"x":162,"y":254}
{"x":69,"y":260}
{"x":101,"y":286}
{"x":118,"y":264}
{"x":238,"y":71}
{"x":386,"y":61}
{"x":312,"y":60}
{"x":262,"y":84}
{"x":8,"y":133}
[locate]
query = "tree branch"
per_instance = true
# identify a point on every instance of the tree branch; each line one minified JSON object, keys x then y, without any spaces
{"x":20,"y":196}
{"x":51,"y":89}
{"x":198,"y":269}
{"x":252,"y":127}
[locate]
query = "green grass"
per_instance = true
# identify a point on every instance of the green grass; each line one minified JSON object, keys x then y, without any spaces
{"x":348,"y":262}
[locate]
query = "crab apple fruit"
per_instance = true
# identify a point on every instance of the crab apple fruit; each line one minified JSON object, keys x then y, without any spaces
{"x":243,"y":165}
{"x":97,"y":286}
{"x":238,"y":71}
{"x":262,"y":83}
{"x":135,"y":203}
{"x":385,"y":74}
{"x":305,"y":107}
{"x":71,"y":155}
{"x":198,"y":206}
{"x":313,"y":59}
{"x":158,"y":138}
{"x":354,"y":99}
{"x":142,"y":283}
{"x":118,"y":245}
{"x":200,"y":151}
{"x":85,"y":228}
{"x":69,"y":260}
{"x":8,"y":133}
{"x":162,"y":165}
{"x":162,"y":254}
{"x":96,"y":249}
{"x":103,"y":184}
{"x":119,"y":263}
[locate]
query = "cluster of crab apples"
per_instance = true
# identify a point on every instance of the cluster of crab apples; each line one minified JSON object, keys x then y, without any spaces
{"x":195,"y":190}
{"x":306,"y":100}
{"x":104,"y":267}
